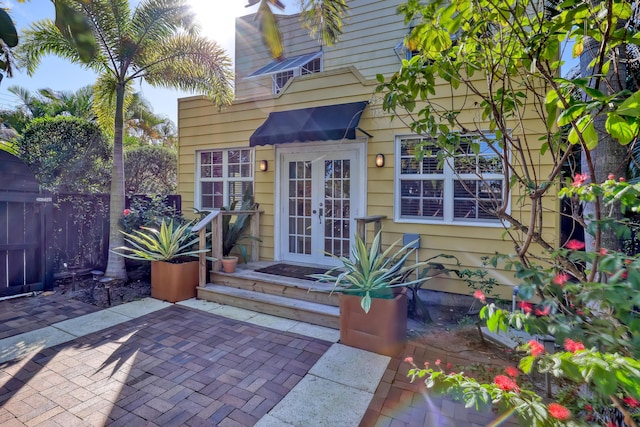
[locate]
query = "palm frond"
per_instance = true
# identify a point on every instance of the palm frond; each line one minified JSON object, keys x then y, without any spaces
{"x":111,"y":20}
{"x":323,"y":19}
{"x":104,"y":104}
{"x":43,"y":38}
{"x":191,"y":63}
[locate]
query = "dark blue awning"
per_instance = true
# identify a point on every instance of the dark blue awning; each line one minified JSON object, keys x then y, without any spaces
{"x":326,"y":123}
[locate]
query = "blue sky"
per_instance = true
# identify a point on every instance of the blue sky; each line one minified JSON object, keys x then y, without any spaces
{"x":217,"y":22}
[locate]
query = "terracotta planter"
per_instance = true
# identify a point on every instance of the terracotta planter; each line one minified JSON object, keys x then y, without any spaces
{"x":229,"y":263}
{"x":383,"y":330}
{"x":174,"y":282}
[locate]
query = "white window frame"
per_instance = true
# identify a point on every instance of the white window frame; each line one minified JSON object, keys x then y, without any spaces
{"x":299,"y":71}
{"x":449,"y":177}
{"x":225,"y":179}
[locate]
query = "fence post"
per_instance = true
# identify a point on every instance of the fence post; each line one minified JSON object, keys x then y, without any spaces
{"x":255,"y":232}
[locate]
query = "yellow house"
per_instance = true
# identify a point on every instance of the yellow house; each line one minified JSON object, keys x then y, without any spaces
{"x":311,"y":137}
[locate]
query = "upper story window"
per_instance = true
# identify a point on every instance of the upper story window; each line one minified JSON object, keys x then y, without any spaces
{"x":223,"y":176}
{"x":284,"y":70}
{"x":466,"y":188}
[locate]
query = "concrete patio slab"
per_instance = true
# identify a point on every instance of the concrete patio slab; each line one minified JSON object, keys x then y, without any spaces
{"x":19,"y":346}
{"x":139,"y":308}
{"x":266,"y":320}
{"x":200,"y":304}
{"x":320,"y":402}
{"x":352,"y":367}
{"x":234,"y":312}
{"x":269,"y":421}
{"x":273,"y":322}
{"x":90,"y":323}
{"x":315,"y":331}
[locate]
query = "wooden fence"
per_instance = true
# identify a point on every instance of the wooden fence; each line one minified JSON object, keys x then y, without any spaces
{"x":80,"y":225}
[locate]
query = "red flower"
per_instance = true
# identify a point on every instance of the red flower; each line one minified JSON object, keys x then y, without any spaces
{"x":622,"y":179}
{"x":449,"y":365}
{"x":479,"y":295}
{"x":426,"y":364}
{"x":536,"y":348}
{"x":544,"y":311}
{"x":611,"y":424}
{"x":561,"y":278}
{"x":525,"y":306}
{"x":505,"y":383}
{"x":559,"y":412}
{"x":631,"y":401}
{"x":611,"y":176}
{"x":588,"y":408}
{"x":126,"y":212}
{"x":437,"y":362}
{"x":409,"y":359}
{"x":572,"y":345}
{"x":574,"y":245}
{"x":512,"y":371}
{"x":603,"y":251}
{"x":579,"y":179}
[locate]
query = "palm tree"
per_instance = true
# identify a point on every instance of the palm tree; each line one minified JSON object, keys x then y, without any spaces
{"x":158,"y":42}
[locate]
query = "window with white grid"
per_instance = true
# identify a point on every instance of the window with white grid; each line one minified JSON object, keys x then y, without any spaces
{"x":465,"y":188}
{"x":281,"y":79}
{"x":223,"y":176}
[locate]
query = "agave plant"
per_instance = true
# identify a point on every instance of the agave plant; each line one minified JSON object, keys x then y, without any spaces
{"x":168,"y":243}
{"x":372,"y":273}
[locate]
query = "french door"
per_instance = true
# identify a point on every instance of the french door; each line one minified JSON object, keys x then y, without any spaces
{"x":321,"y":193}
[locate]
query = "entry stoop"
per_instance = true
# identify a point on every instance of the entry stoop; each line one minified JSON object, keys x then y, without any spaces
{"x":297,"y":299}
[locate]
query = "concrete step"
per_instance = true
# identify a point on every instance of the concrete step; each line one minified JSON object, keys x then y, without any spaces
{"x":304,"y":290}
{"x":276,"y":305}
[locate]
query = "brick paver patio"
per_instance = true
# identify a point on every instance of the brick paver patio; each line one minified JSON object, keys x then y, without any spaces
{"x":176,"y":366}
{"x":182,"y":366}
{"x":399,"y":403}
{"x":28,"y":314}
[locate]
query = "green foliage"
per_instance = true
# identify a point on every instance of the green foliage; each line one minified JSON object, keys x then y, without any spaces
{"x":372,"y":273}
{"x":149,"y":211}
{"x":158,"y":41}
{"x":9,"y":40}
{"x":66,"y":154}
{"x":234,"y":229}
{"x":151,"y":170}
{"x":168,"y":243}
{"x":323,"y":19}
{"x":504,"y":58}
{"x":593,"y":313}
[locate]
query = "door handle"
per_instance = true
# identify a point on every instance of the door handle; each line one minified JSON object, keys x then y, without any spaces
{"x":320,"y":215}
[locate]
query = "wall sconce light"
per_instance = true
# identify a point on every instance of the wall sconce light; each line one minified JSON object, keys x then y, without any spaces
{"x":379,"y":160}
{"x":264,"y":165}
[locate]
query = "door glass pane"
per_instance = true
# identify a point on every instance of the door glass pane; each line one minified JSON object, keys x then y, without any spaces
{"x":299,"y":208}
{"x":337,"y":198}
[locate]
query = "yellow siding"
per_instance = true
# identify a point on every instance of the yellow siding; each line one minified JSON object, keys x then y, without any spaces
{"x":368,"y":50}
{"x":201,"y":126}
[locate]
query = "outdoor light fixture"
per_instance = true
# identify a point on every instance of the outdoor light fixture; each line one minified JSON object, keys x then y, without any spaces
{"x":264,"y":165}
{"x":379,"y":160}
